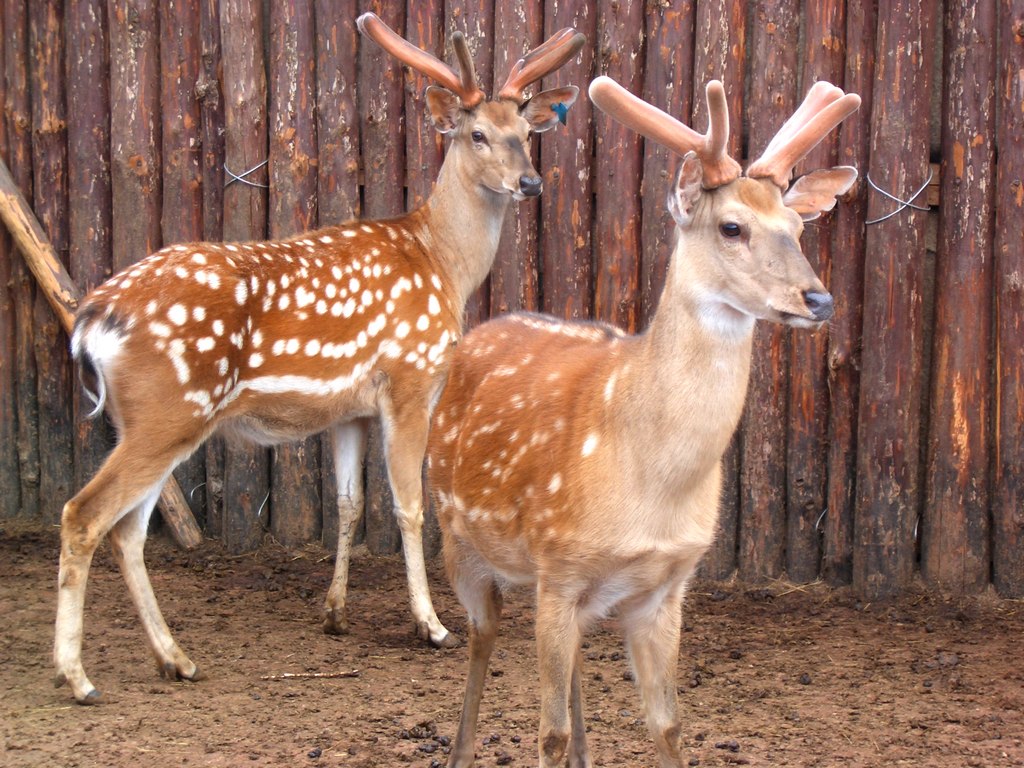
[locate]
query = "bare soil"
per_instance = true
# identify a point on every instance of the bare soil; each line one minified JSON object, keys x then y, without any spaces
{"x":774,"y":676}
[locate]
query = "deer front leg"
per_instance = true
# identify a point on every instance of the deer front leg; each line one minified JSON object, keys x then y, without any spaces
{"x":405,"y":435}
{"x":652,"y":638}
{"x":348,"y":444}
{"x":558,"y":639}
{"x":127,"y":541}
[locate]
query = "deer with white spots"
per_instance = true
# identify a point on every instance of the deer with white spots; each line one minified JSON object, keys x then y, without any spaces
{"x":586,"y":462}
{"x":273,"y":341}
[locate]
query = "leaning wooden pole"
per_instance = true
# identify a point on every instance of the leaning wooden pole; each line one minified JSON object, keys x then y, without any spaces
{"x":63,"y":296}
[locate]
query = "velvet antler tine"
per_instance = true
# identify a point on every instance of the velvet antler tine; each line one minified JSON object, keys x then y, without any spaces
{"x":820,"y":95}
{"x":543,"y":60}
{"x":467,"y":71}
{"x":647,"y":120}
{"x":371,"y":26}
{"x":719,"y":168}
{"x":778,"y":164}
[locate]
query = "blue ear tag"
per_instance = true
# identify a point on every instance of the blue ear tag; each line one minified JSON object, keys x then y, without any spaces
{"x":561,"y":110}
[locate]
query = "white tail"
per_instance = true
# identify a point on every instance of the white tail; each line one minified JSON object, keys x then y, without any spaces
{"x":273,"y":341}
{"x":585,"y":461}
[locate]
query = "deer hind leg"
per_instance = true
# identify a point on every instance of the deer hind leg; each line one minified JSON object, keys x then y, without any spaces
{"x":127,"y":540}
{"x":405,"y":434}
{"x":579,"y":752}
{"x":122,"y":483}
{"x":480,"y":596}
{"x":652,"y":638}
{"x":558,"y":642}
{"x":348,"y":443}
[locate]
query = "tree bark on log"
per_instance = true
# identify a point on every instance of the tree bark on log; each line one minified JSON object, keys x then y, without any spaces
{"x":617,"y":168}
{"x":773,"y":98}
{"x":295,"y":470}
{"x":246,"y":485}
{"x":89,"y":195}
{"x":567,"y":158}
{"x":889,"y":430}
{"x":1008,"y":484}
{"x":806,"y":454}
{"x":847,"y":286}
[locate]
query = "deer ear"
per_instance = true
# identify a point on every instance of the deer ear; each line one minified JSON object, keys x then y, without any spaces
{"x":445,"y":108}
{"x":548,"y":108}
{"x":683,"y":196}
{"x":815,"y":193}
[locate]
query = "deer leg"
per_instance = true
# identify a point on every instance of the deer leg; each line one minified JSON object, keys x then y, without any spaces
{"x":405,"y":435}
{"x":558,"y":640}
{"x":123,"y":482}
{"x":128,"y":540}
{"x":481,"y":598}
{"x":579,"y":753}
{"x":348,"y":443}
{"x":652,"y":637}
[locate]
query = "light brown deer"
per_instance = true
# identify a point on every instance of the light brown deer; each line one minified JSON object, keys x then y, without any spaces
{"x":273,"y":341}
{"x":585,"y":461}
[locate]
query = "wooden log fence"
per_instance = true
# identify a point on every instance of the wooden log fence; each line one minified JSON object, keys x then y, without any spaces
{"x":885,"y":449}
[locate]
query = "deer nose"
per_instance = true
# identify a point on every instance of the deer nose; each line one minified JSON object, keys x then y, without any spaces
{"x":821,"y":305}
{"x":531,"y":186}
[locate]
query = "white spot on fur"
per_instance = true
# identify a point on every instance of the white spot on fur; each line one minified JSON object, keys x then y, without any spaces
{"x":402,"y":330}
{"x":590,"y":444}
{"x":177,"y":314}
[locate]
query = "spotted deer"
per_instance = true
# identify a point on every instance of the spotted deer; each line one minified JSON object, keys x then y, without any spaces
{"x":273,"y":341}
{"x":586,"y":461}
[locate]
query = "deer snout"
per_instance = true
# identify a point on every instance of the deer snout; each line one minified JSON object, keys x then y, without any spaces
{"x":821,"y":305}
{"x":530,"y":186}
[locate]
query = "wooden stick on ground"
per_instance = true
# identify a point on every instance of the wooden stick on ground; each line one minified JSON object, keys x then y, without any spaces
{"x":64,"y":296}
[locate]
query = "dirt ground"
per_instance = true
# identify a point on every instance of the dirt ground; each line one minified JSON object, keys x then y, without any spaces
{"x":779,"y":676}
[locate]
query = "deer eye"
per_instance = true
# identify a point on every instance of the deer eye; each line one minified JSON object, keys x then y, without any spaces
{"x":730,"y":229}
{"x":478,"y":136}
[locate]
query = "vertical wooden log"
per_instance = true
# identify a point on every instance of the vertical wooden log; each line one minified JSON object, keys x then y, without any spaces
{"x":668,"y":84}
{"x":49,"y":161}
{"x":475,"y":19}
{"x":618,"y":170}
{"x":211,"y":114}
{"x":382,"y":140}
{"x":8,"y":350}
{"x":246,"y":467}
{"x":955,"y":525}
{"x":182,"y":212}
{"x":89,"y":196}
{"x":1008,"y":484}
{"x":847,"y":286}
{"x":806,"y":453}
{"x":720,"y":48}
{"x":337,"y":167}
{"x":424,"y":26}
{"x":774,"y":39}
{"x":514,"y":279}
{"x":18,"y":114}
{"x":566,"y":160}
{"x":889,"y":430}
{"x":295,"y":470}
{"x":134,"y":129}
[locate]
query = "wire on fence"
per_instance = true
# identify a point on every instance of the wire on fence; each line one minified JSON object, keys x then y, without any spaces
{"x":903,"y":203}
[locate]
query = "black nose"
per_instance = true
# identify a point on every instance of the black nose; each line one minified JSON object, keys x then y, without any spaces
{"x":531,"y":186}
{"x":821,"y":305}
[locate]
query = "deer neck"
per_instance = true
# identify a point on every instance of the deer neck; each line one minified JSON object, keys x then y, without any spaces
{"x":461,"y":224}
{"x":696,"y":362}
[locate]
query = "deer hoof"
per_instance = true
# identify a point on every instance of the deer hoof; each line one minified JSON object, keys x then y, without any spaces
{"x":92,"y":697}
{"x":335,"y":623}
{"x":448,"y":641}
